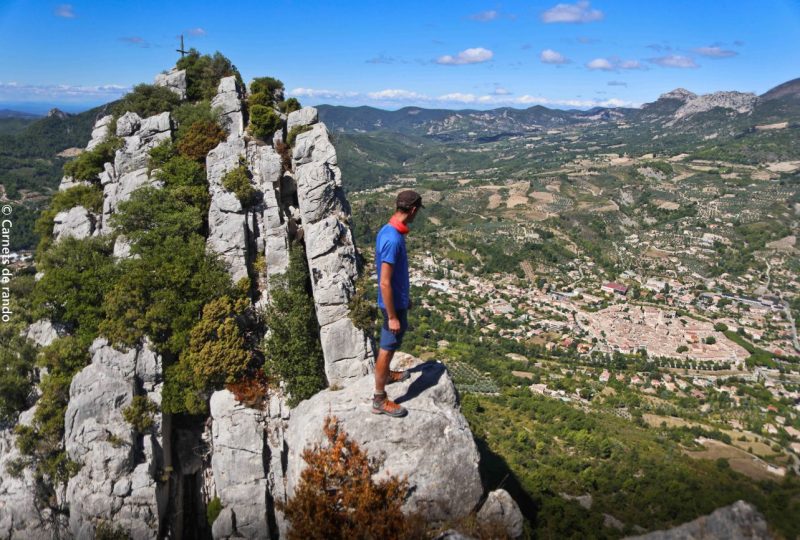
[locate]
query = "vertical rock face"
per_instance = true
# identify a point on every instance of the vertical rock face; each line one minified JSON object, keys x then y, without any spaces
{"x":117,"y":482}
{"x":229,"y":102}
{"x":269,"y":227}
{"x":228,"y":231}
{"x":175,"y":80}
{"x":19,"y":518}
{"x":238,"y":464}
{"x":332,"y":258}
{"x":248,"y":466}
{"x":129,"y":170}
{"x":100,"y":131}
{"x":77,"y":222}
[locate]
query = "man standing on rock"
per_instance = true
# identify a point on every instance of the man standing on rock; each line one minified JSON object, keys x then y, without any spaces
{"x":391,"y":263}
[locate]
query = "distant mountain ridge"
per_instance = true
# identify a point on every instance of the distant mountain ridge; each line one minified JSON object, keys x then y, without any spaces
{"x":676,"y":110}
{"x":9,"y":113}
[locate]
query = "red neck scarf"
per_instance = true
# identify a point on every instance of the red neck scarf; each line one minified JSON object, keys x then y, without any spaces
{"x":401,"y":227}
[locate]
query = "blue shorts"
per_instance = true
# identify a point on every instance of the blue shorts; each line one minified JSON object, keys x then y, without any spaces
{"x":389,"y":340}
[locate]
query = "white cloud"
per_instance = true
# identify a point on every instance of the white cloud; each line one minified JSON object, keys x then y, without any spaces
{"x":315,"y":93}
{"x":484,"y":16}
{"x":549,"y":56}
{"x":613,"y":64}
{"x":715,"y":52}
{"x":617,"y":83}
{"x":396,"y":97}
{"x":580,"y":12}
{"x":64,"y":10}
{"x":600,"y":63}
{"x":14,"y":91}
{"x":674,"y":61}
{"x":500,"y":91}
{"x":630,"y":64}
{"x":475,"y":55}
{"x":197,"y":32}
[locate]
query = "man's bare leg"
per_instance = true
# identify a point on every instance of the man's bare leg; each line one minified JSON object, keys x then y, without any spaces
{"x":382,"y":369}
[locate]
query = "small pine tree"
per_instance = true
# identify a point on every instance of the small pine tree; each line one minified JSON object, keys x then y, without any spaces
{"x":337,"y":497}
{"x":292,"y":349}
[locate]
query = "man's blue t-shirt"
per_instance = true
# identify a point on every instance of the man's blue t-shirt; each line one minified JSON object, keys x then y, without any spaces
{"x":390,"y":247}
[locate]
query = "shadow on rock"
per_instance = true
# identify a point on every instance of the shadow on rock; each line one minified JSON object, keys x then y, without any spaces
{"x":429,"y":374}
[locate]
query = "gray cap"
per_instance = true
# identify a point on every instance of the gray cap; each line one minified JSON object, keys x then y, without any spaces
{"x":409,"y":199}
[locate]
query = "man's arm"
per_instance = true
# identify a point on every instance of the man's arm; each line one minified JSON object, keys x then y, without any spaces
{"x":388,"y":296}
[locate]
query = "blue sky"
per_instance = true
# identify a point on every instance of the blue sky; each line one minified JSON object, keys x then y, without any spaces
{"x":434,"y":53}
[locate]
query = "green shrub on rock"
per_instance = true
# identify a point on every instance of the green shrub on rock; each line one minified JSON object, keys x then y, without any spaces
{"x":17,"y":356}
{"x":139,"y":414}
{"x":160,"y":293}
{"x":266,"y":85}
{"x":148,"y":217}
{"x":185,"y":180}
{"x":188,"y":113}
{"x":264,"y":121}
{"x":216,"y":354}
{"x":289,"y":105}
{"x":89,"y":164}
{"x":147,"y":100}
{"x":77,"y":274}
{"x":203,"y":73}
{"x":292,"y":350}
{"x":238,"y":181}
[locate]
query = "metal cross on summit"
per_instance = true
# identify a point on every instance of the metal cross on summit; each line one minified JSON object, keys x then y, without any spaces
{"x":183,"y":52}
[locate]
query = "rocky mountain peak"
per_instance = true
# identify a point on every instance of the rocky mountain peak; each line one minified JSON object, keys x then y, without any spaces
{"x":681,"y":94}
{"x":56,"y":113}
{"x":740,"y":102}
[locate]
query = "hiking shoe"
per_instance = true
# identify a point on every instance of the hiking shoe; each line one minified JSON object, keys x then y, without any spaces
{"x":398,"y":376}
{"x":382,"y":405}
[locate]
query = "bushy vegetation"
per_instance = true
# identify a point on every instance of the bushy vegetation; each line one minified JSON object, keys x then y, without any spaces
{"x":238,"y":181}
{"x":217,"y":349}
{"x":294,"y":132}
{"x":17,"y":357}
{"x":188,"y":113}
{"x":292,"y":349}
{"x":149,"y":216}
{"x":160,"y":293}
{"x":199,"y":139}
{"x":147,"y":100}
{"x":289,"y":105}
{"x":217,"y":353}
{"x":184,"y":179}
{"x":363,"y":305}
{"x":542,"y":447}
{"x":139,"y":414}
{"x":337,"y":498}
{"x":263,"y":90}
{"x":264,"y":121}
{"x":203,"y":73}
{"x":90,"y":163}
{"x":77,"y":276}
